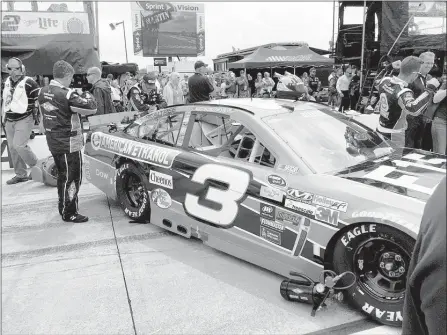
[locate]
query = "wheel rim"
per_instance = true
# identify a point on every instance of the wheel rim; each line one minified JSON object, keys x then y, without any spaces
{"x":53,"y":171}
{"x":134,"y":190}
{"x":381,"y":266}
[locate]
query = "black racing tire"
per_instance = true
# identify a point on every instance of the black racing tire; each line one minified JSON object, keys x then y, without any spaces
{"x":50,"y":172}
{"x":132,"y":192}
{"x":379,"y":255}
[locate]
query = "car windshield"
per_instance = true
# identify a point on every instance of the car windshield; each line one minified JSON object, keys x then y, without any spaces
{"x":327,"y":143}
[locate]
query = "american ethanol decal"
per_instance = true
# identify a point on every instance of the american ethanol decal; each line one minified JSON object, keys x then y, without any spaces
{"x":143,"y":152}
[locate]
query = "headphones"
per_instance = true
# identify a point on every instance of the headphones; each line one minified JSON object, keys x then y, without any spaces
{"x":20,"y":61}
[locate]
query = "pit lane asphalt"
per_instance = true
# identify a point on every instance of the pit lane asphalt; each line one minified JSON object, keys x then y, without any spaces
{"x":63,"y":278}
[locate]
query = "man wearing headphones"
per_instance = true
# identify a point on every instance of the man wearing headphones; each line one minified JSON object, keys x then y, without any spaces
{"x":18,"y":118}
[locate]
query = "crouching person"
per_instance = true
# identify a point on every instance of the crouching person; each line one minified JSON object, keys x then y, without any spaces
{"x":61,"y":109}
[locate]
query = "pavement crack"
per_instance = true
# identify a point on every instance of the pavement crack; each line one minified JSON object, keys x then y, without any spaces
{"x":82,"y":246}
{"x":122,"y":269}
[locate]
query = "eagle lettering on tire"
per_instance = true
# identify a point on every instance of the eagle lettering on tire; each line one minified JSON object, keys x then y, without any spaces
{"x":379,"y":256}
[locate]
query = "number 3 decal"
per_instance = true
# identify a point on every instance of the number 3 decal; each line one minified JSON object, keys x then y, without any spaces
{"x":237,"y":181}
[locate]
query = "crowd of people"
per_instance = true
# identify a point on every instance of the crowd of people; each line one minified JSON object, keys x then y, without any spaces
{"x":412,"y":94}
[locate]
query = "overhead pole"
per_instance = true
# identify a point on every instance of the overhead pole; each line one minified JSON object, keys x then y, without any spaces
{"x":363,"y":42}
{"x":333,"y":26}
{"x":97,"y":28}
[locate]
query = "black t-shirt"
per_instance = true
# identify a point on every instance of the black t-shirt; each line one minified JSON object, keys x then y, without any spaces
{"x":313,"y":83}
{"x":199,"y":88}
{"x":425,"y":296}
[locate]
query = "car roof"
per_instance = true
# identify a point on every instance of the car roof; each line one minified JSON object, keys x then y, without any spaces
{"x":259,"y":107}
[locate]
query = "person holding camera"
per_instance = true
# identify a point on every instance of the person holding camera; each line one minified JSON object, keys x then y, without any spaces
{"x":19,"y":116}
{"x":61,"y":108}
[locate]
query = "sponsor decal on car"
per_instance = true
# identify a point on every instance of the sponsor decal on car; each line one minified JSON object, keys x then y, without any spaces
{"x":160,"y":179}
{"x":380,"y":216}
{"x":276,"y":180}
{"x":304,"y":197}
{"x":300,"y":207}
{"x":161,"y":113}
{"x":357,"y":231}
{"x":285,"y":217}
{"x":143,"y":152}
{"x":267,"y":211}
{"x":270,"y":235}
{"x":161,"y":198}
{"x":330,"y":203}
{"x":327,"y":215}
{"x":272,"y":224}
{"x":86,"y":165}
{"x":271,"y":193}
{"x":214,"y":109}
{"x":102,"y":174}
{"x":288,"y":168}
{"x":382,"y":314}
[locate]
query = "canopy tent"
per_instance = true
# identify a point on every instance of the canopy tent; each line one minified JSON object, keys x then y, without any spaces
{"x":268,"y":58}
{"x":43,"y":35}
{"x":39,"y":53}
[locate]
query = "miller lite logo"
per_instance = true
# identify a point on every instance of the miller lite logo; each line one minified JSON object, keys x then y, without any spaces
{"x":74,"y":26}
{"x":10,"y":23}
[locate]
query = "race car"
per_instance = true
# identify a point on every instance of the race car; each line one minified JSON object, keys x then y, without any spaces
{"x":288,"y":186}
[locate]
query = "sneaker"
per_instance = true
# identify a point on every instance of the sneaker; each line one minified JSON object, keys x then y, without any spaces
{"x":16,"y":179}
{"x":76,"y":218}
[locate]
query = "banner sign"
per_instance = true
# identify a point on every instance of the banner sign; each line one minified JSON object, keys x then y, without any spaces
{"x":168,"y":29}
{"x":429,"y":18}
{"x":160,"y":62}
{"x":44,"y":23}
{"x":426,"y":27}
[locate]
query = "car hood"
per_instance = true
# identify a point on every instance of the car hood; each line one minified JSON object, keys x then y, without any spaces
{"x":409,"y":172}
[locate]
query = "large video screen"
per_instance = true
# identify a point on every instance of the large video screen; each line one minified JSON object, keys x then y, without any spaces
{"x":168,"y":28}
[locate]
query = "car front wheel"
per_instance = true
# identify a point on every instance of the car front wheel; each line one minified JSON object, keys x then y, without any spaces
{"x":379,"y":256}
{"x":132,"y":192}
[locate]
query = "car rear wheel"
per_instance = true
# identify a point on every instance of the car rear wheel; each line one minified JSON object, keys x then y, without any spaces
{"x":132,"y":193}
{"x":379,"y":256}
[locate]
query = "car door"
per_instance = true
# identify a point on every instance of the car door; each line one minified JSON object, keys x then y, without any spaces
{"x":245,"y":197}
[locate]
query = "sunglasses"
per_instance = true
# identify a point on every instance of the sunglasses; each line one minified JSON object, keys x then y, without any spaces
{"x":13,"y":68}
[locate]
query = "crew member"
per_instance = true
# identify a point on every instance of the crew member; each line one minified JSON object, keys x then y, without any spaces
{"x":396,"y":101}
{"x":314,"y":84}
{"x":18,"y":118}
{"x":61,"y":108}
{"x":144,"y":96}
{"x":425,"y":295}
{"x":416,"y":125}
